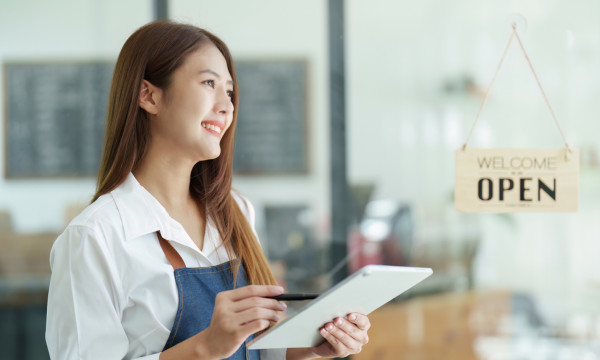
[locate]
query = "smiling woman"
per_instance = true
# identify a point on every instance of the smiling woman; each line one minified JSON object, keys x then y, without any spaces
{"x":165,"y":263}
{"x":184,"y":117}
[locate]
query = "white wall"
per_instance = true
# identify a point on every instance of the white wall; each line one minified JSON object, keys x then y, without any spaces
{"x":34,"y":30}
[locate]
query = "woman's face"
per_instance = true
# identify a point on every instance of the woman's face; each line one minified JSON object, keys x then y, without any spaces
{"x":196,"y":110}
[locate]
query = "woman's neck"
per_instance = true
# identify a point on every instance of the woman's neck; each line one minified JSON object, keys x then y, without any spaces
{"x":166,"y":178}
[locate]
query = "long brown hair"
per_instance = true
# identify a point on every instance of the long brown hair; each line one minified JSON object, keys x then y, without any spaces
{"x":153,"y":53}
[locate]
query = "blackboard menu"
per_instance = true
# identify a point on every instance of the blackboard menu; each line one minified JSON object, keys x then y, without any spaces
{"x":55,"y":118}
{"x":271,"y":129}
{"x":55,"y":115}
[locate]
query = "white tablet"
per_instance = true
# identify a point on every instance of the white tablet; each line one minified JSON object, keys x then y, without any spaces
{"x":362,"y":292}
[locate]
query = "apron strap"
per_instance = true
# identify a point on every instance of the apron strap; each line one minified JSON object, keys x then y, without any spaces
{"x":170,"y":252}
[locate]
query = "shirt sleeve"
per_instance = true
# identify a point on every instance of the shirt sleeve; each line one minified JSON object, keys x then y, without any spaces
{"x":247,"y":209}
{"x":83,"y":319}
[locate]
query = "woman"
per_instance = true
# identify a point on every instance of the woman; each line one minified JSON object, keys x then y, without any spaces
{"x":164,"y":264}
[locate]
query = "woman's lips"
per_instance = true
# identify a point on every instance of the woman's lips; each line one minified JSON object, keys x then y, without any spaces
{"x":214,"y":127}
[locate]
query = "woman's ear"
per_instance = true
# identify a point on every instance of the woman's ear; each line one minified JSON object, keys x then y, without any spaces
{"x":149,"y":96}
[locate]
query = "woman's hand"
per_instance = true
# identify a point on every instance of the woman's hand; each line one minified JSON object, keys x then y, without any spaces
{"x":345,"y":336}
{"x":238,"y":314}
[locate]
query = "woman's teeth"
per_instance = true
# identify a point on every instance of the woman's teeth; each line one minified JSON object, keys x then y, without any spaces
{"x":212,"y":127}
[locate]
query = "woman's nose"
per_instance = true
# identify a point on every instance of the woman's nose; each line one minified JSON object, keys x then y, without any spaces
{"x":224,"y":104}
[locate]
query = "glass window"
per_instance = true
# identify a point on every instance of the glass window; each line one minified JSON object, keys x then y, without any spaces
{"x":505,"y":286}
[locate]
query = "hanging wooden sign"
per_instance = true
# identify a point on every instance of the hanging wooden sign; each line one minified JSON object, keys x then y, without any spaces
{"x":517,"y":180}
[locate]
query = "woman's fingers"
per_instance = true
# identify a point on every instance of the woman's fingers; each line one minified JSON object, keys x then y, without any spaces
{"x":361,"y":321}
{"x":247,"y":304}
{"x":254,"y":291}
{"x":344,"y":336}
{"x":239,"y":313}
{"x":258,"y":302}
{"x":256,"y":314}
{"x":254,"y":326}
{"x":332,"y":343}
{"x":341,"y":344}
{"x":340,"y":339}
{"x":353,"y":330}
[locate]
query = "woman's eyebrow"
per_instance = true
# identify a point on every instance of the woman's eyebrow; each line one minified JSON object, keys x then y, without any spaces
{"x":215,"y":74}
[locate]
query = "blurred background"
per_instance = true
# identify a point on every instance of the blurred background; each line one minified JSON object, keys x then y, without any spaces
{"x":350,"y":115}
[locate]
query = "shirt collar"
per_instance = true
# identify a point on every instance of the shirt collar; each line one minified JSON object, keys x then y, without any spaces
{"x":140,"y":212}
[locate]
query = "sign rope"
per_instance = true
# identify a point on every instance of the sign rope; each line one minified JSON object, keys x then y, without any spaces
{"x":488,"y":90}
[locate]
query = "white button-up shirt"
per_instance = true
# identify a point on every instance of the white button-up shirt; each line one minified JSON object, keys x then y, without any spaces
{"x":112,"y":291}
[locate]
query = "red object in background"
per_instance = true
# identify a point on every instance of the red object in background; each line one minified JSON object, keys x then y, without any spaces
{"x":384,"y":236}
{"x":362,"y":251}
{"x":365,"y":252}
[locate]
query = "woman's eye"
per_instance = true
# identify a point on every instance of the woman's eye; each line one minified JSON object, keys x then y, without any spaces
{"x":210,"y":83}
{"x":230,"y":93}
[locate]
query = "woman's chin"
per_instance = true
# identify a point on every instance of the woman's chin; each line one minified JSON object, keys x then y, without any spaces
{"x":210,"y":155}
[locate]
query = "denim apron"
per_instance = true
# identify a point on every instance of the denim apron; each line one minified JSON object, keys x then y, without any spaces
{"x":197,"y":288}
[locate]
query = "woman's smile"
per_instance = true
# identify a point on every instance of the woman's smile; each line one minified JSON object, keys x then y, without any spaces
{"x":213,"y":127}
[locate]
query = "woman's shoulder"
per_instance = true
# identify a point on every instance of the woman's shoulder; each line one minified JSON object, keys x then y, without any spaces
{"x":91,"y":233}
{"x":244,"y":204}
{"x":103,"y":211}
{"x":97,"y":223}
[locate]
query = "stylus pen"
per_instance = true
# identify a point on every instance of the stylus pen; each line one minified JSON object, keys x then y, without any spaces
{"x":294,"y":297}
